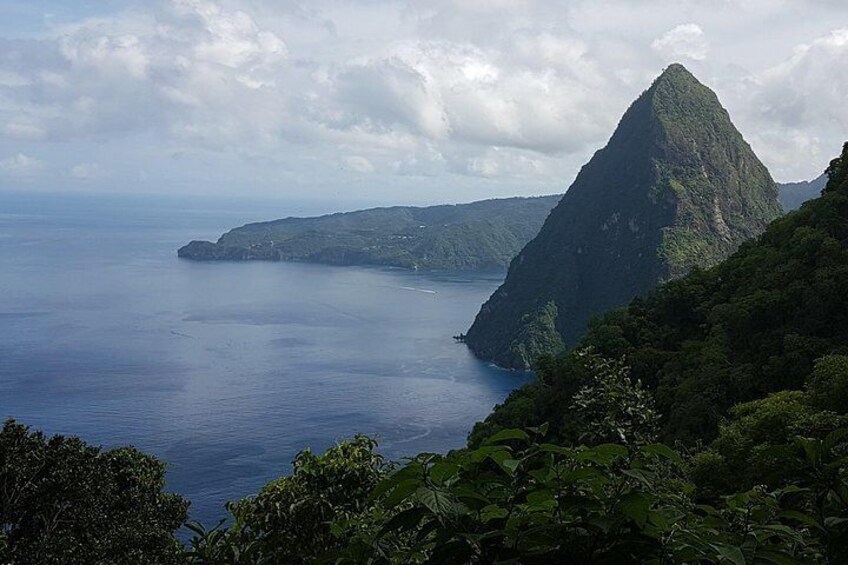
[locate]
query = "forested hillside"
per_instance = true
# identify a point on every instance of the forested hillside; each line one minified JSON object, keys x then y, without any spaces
{"x":477,"y":236}
{"x":751,"y":326}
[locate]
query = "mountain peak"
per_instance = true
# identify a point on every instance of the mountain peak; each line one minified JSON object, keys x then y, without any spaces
{"x":675,"y":71}
{"x":676,"y":187}
{"x":678,"y":95}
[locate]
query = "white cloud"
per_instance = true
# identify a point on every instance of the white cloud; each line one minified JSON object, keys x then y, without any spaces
{"x":88,"y":172}
{"x":193,"y":70}
{"x":495,"y":162}
{"x":21,"y":165}
{"x":443,"y":89}
{"x":799,"y":106}
{"x":358,"y":164}
{"x":685,"y":40}
{"x":23,"y":131}
{"x":231,"y":38}
{"x":507,"y":97}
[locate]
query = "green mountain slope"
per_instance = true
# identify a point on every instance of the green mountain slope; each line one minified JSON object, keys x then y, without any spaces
{"x":793,"y":194}
{"x":676,"y":187}
{"x":752,"y":325}
{"x":476,"y":236}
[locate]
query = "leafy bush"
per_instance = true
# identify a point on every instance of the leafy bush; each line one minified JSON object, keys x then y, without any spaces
{"x":289,"y":520}
{"x":828,"y":384}
{"x":516,"y":500}
{"x":612,"y":408}
{"x":755,"y":444}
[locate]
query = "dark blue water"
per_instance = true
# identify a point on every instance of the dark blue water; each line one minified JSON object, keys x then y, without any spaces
{"x":224,"y":370}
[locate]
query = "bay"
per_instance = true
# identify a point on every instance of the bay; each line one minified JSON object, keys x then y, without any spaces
{"x":225,"y":370}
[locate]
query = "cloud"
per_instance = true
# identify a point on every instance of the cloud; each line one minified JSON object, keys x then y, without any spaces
{"x":799,"y":104}
{"x":21,"y":166}
{"x":507,"y":97}
{"x":230,"y":38}
{"x":88,"y":172}
{"x":542,"y":97}
{"x":685,"y":40}
{"x":199,"y":75}
{"x":22,"y":131}
{"x":192,"y":71}
{"x":358,"y":164}
{"x":495,"y":162}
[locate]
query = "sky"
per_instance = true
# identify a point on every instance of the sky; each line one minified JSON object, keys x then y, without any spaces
{"x":391,"y":102}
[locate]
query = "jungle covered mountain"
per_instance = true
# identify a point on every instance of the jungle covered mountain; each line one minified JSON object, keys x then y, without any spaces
{"x":753,"y":325}
{"x":482,"y":235}
{"x":676,"y":187}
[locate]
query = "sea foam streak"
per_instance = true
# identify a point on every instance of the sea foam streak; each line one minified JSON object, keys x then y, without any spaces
{"x":417,"y":289}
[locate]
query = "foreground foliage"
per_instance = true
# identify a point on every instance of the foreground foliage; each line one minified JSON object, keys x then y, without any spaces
{"x":289,"y":521}
{"x":63,"y":501}
{"x":772,"y":488}
{"x":516,"y":499}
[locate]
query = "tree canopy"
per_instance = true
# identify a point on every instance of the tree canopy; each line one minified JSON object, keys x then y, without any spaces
{"x":64,"y":501}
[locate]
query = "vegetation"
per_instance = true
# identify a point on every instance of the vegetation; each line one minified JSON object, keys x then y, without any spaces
{"x":290,"y":520}
{"x":753,"y":325}
{"x":516,"y":498}
{"x":477,"y":236}
{"x":62,"y":501}
{"x":676,"y":187}
{"x":519,"y":498}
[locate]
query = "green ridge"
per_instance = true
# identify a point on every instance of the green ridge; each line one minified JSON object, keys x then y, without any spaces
{"x":793,"y":194}
{"x":483,"y":235}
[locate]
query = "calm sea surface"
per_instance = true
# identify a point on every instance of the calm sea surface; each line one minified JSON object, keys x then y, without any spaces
{"x":224,"y":370}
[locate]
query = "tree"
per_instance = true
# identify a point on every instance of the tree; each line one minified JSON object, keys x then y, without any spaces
{"x":289,"y":520}
{"x":63,"y":501}
{"x":827,"y":386}
{"x":612,"y":407}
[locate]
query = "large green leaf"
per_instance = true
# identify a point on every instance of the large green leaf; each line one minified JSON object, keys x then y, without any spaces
{"x":636,"y":506}
{"x":439,"y":502}
{"x":603,"y":454}
{"x":401,"y":492}
{"x":729,"y":553}
{"x":508,"y":435}
{"x":663,"y":451}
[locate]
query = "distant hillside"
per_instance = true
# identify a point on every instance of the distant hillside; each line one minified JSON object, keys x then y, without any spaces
{"x":477,"y":236}
{"x":676,"y":187}
{"x":793,"y":194}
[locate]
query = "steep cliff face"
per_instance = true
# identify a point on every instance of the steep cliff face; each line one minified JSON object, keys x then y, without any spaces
{"x":676,"y":187}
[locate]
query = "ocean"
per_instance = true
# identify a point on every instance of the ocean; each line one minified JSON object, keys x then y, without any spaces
{"x":225,"y":370}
